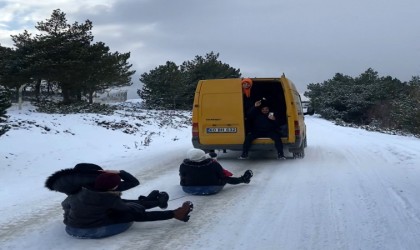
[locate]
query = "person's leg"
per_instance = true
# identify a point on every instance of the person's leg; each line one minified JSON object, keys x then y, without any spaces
{"x":150,"y":197}
{"x":247,"y":144}
{"x":202,"y":190}
{"x":155,"y":199}
{"x":276,"y":137}
{"x":234,"y":180}
{"x":245,"y":178}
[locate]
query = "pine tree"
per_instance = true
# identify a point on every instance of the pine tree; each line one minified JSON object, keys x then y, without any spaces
{"x":4,"y":105}
{"x":163,"y":87}
{"x":208,"y":67}
{"x":172,"y":86}
{"x":63,"y":54}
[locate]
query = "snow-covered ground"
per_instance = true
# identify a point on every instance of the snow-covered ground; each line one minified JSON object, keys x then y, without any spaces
{"x":354,"y":189}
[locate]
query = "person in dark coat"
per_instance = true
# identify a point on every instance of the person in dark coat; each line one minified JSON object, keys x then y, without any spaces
{"x":90,"y":212}
{"x":201,"y":174}
{"x":94,"y":207}
{"x":71,"y":181}
{"x":263,"y":124}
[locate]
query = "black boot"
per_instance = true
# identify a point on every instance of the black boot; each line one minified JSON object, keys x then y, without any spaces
{"x":243,"y":156}
{"x":163,"y":199}
{"x":153,"y":196}
{"x":280,"y":156}
{"x":246,"y":178}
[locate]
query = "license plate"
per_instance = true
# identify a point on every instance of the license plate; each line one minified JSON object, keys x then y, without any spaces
{"x":221,"y":130}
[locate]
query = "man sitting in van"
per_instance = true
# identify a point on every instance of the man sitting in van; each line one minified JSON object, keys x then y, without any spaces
{"x":263,"y":124}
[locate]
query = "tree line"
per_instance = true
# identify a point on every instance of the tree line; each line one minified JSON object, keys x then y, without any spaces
{"x":62,"y":59}
{"x":4,"y":105}
{"x":384,"y":102}
{"x":172,"y":86}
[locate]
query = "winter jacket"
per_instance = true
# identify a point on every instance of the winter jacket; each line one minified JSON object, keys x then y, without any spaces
{"x":71,"y":180}
{"x":88,"y":209}
{"x":205,"y":173}
{"x":260,"y":122}
{"x":94,"y":209}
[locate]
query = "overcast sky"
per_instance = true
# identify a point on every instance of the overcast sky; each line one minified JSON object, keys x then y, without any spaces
{"x":307,"y":40}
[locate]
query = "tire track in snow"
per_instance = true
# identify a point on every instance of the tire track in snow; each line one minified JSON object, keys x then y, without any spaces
{"x":29,"y":222}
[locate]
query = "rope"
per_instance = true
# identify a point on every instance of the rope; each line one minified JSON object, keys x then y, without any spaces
{"x":183,"y":196}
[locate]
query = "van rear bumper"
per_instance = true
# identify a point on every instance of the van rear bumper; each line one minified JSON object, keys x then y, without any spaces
{"x":292,"y":147}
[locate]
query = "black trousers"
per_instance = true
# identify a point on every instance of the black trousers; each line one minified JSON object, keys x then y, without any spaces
{"x":250,"y":137}
{"x":233,"y":180}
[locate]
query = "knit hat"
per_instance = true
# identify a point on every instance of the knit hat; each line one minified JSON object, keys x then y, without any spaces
{"x":246,"y":86}
{"x":264,"y":103}
{"x":196,"y":155}
{"x":107,"y":181}
{"x":247,"y":80}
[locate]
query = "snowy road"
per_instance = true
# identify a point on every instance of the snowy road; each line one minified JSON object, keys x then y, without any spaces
{"x":353,"y":190}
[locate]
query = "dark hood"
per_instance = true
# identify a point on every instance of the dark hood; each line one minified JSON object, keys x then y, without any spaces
{"x":71,"y":180}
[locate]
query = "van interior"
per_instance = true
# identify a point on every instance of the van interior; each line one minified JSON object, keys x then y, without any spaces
{"x":271,"y":92}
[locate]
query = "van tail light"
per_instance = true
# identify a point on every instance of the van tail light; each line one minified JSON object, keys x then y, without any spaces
{"x":195,"y":129}
{"x":297,"y":128}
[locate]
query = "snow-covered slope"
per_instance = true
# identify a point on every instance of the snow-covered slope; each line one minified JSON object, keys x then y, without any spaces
{"x":354,"y":189}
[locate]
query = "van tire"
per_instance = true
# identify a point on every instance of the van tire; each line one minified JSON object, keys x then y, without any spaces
{"x":300,"y":154}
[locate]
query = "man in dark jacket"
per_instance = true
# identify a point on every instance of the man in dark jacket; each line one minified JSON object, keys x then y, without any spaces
{"x":102,"y":206}
{"x":94,"y":208}
{"x":263,"y":123}
{"x":72,"y":180}
{"x":200,"y":174}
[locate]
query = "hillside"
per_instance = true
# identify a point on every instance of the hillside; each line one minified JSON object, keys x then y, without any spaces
{"x":354,"y":189}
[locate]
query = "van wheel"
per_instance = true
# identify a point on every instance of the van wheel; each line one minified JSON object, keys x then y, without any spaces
{"x":305,"y":142}
{"x":300,"y":154}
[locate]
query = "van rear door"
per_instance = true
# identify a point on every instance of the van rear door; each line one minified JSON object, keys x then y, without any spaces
{"x":221,"y":116}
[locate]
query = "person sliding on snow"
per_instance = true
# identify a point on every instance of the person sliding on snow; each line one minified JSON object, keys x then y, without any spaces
{"x":93,"y":213}
{"x":94,"y":207}
{"x":72,"y":180}
{"x":200,"y":174}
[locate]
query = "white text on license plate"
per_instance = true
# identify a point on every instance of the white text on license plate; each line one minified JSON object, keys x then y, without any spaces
{"x":221,"y":130}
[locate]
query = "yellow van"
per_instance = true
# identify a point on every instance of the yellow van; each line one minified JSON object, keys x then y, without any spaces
{"x":220,"y":105}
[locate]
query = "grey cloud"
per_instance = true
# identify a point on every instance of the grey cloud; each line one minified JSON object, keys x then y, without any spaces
{"x":309,"y":41}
